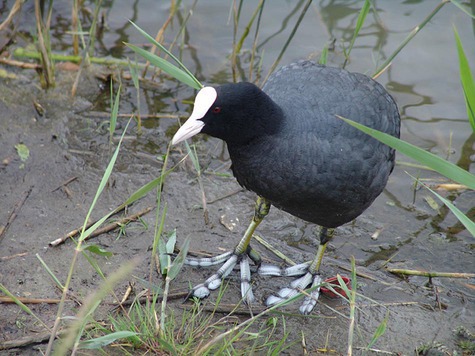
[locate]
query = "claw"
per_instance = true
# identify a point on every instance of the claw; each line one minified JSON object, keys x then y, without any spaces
{"x":295,"y":288}
{"x":246,"y":290}
{"x":310,"y":301}
{"x":302,"y":282}
{"x":203,"y":290}
{"x":269,"y":270}
{"x":272,"y":270}
{"x":207,"y":262}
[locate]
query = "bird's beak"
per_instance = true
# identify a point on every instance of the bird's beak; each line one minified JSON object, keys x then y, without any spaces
{"x":204,"y":99}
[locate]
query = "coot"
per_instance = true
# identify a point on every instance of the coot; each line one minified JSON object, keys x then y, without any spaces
{"x":287,"y":145}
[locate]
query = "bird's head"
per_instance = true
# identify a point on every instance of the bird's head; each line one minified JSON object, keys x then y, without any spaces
{"x":235,"y":113}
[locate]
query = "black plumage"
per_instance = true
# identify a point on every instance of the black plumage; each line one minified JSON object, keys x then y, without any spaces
{"x":288,"y":145}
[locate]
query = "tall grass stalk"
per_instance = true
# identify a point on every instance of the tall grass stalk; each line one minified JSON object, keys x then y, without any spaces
{"x":289,"y":39}
{"x":88,"y":47}
{"x":75,"y":26}
{"x":159,"y":36}
{"x":359,"y":24}
{"x":408,"y":39}
{"x":47,"y":77}
{"x":78,"y":248}
{"x":352,"y":300}
{"x":254,"y":46}
{"x":71,"y":341}
{"x":238,"y":46}
{"x":133,"y":68}
{"x":114,"y":111}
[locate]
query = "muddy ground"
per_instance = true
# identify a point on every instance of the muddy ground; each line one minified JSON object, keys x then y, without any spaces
{"x":68,"y":141}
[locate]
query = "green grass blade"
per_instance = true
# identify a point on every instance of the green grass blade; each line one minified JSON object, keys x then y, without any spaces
{"x":461,"y":6}
{"x":166,"y":66}
{"x":179,"y":261}
{"x":323,"y":55}
{"x":101,"y":187}
{"x":464,"y":219}
{"x":170,"y":245}
{"x":98,"y":342}
{"x":408,"y":39}
{"x":90,"y":305}
{"x":134,"y":73}
{"x":246,"y":31}
{"x":184,"y":73}
{"x":23,"y":307}
{"x":289,"y":39}
{"x":343,"y":286}
{"x":142,"y":191}
{"x":359,"y":24}
{"x":380,"y":330}
{"x":50,"y":272}
{"x":468,"y":84}
{"x":98,"y":251}
{"x":440,"y":165}
{"x":114,"y":110}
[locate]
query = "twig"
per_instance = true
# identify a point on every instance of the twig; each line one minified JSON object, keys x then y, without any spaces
{"x":6,"y":258}
{"x":19,"y":64}
{"x":13,"y":215}
{"x":65,"y":183}
{"x":35,"y":339}
{"x":225,"y":196}
{"x":104,"y":229}
{"x":68,"y":235}
{"x":393,"y":304}
{"x":437,"y":298}
{"x":128,"y":292}
{"x":15,"y":9}
{"x":145,"y":299}
{"x":4,"y":299}
{"x":412,"y":272}
{"x":228,"y":309}
{"x":378,"y":351}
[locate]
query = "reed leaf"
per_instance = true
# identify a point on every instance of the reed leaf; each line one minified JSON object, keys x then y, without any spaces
{"x":359,"y":24}
{"x":181,"y":73}
{"x":464,"y":219}
{"x":468,"y":84}
{"x":440,"y":165}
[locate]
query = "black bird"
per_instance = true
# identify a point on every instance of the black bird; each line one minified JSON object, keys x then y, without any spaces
{"x":287,"y":145}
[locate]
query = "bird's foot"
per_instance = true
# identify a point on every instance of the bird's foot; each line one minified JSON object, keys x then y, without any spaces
{"x":230,"y":260}
{"x":314,"y":280}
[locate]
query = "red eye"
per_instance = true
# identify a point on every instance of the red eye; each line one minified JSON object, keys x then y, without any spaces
{"x":216,"y":109}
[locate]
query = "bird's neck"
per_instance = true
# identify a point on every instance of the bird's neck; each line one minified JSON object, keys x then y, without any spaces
{"x":266,"y":119}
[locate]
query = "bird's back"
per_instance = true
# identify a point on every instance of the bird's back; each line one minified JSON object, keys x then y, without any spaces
{"x":317,"y":167}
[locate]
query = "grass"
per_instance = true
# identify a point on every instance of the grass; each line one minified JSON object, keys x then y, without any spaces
{"x":155,"y":327}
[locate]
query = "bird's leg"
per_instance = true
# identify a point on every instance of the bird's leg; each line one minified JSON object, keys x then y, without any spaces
{"x":310,"y":276}
{"x":241,"y":253}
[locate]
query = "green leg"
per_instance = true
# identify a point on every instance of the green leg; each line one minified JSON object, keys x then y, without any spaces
{"x":261,"y":210}
{"x":325,"y":235}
